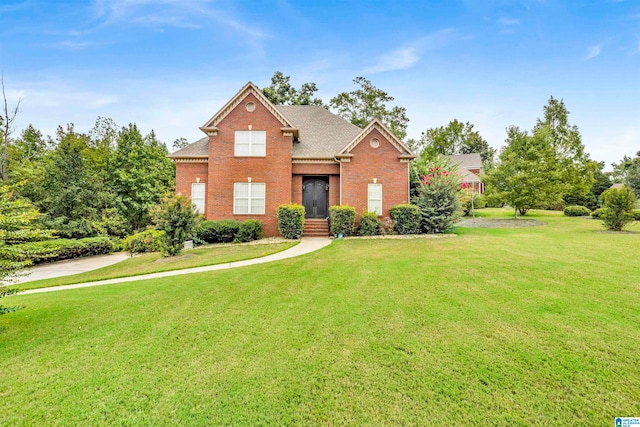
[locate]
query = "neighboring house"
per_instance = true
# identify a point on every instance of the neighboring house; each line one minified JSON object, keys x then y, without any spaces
{"x":257,"y":156}
{"x":617,"y":186}
{"x":469,"y":169}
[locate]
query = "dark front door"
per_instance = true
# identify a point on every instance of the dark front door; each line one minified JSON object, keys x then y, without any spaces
{"x":314,"y":197}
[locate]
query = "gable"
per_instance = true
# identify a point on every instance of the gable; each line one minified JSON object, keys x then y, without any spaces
{"x":210,"y":127}
{"x":405,"y":153}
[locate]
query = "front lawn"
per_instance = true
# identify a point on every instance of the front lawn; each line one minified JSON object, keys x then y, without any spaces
{"x":510,"y":326}
{"x":155,"y":263}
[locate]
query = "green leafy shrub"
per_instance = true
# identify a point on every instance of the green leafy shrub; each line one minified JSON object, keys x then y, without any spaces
{"x":407,"y":218}
{"x":222,"y":231}
{"x":175,"y":216}
{"x":597,"y":213}
{"x":471,"y":200}
{"x":369,"y":224}
{"x":291,"y":220}
{"x":438,"y":198}
{"x":145,"y":241}
{"x":249,"y":230}
{"x":576,"y":211}
{"x":618,"y":204}
{"x":635,"y":214}
{"x":342,"y":220}
{"x":59,"y":249}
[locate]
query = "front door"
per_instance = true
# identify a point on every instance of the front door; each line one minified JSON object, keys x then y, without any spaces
{"x":314,"y":197}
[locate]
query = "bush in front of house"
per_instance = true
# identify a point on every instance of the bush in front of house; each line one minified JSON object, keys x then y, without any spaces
{"x":249,"y":231}
{"x":618,"y":207}
{"x":597,"y":213}
{"x":290,"y":220}
{"x":439,"y":201}
{"x":60,"y":249}
{"x":145,"y":241}
{"x":407,"y":218}
{"x":342,"y":219}
{"x":221,"y":231}
{"x":576,"y":211}
{"x":369,"y":224}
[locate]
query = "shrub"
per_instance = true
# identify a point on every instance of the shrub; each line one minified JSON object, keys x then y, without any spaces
{"x":59,"y":249}
{"x":291,"y":220}
{"x":597,"y":213}
{"x":576,"y":211}
{"x":407,"y":218}
{"x":342,"y":220}
{"x":635,"y":214}
{"x":222,"y":231}
{"x":618,"y":204}
{"x":145,"y":241}
{"x":249,"y":230}
{"x":387,"y":225}
{"x":369,"y":224}
{"x":175,"y":216}
{"x":471,"y":200}
{"x":438,"y":199}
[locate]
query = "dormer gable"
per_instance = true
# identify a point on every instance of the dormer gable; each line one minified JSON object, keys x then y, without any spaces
{"x":210,"y":127}
{"x":405,"y":153}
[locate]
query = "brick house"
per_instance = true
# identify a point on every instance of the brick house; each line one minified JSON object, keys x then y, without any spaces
{"x":257,"y":156}
{"x":469,"y":169}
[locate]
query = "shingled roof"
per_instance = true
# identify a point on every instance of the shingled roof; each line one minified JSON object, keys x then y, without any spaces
{"x":467,"y":161}
{"x":321,"y":134}
{"x":198,"y":149}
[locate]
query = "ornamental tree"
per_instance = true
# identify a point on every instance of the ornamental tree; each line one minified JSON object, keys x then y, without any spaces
{"x":438,"y":195}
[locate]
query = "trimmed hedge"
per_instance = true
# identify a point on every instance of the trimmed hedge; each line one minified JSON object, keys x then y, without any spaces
{"x":59,"y":249}
{"x":227,"y":231}
{"x":145,"y":241}
{"x":576,"y":211}
{"x":291,"y":220}
{"x":342,"y":219}
{"x":369,"y":224}
{"x":249,"y":230}
{"x":407,"y":218}
{"x":223,"y":231}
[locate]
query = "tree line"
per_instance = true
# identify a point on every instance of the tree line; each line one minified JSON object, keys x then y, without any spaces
{"x":102,"y":182}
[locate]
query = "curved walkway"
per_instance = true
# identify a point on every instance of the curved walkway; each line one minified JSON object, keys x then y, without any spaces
{"x":306,"y":245}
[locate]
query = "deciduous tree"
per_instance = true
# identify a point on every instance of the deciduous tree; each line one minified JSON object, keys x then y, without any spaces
{"x":362,"y":105}
{"x":281,"y":92}
{"x":455,"y":138}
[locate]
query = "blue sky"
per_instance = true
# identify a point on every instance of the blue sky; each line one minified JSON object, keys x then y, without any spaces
{"x":169,"y":65}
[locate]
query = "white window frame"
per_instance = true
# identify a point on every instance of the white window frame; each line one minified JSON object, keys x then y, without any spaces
{"x":250,"y":143}
{"x":249,"y":188}
{"x":198,"y":203}
{"x":374,"y":198}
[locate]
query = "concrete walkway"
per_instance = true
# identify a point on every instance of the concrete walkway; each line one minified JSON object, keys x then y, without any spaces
{"x":306,"y":245}
{"x":69,"y":267}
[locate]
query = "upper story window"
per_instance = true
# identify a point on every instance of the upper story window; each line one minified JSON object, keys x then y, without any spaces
{"x":251,"y":143}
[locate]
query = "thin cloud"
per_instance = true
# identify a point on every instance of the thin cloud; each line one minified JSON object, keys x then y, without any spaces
{"x":169,"y":13}
{"x":72,"y":45}
{"x":508,"y":21}
{"x":14,"y":7}
{"x":406,"y":57}
{"x":593,"y":51}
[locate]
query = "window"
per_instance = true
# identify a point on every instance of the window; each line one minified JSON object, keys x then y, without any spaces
{"x":248,"y":198}
{"x":375,"y":198}
{"x":251,"y":143}
{"x":197,"y":197}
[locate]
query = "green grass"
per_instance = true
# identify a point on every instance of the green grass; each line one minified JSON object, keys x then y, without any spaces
{"x":522,"y":326}
{"x":155,"y":263}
